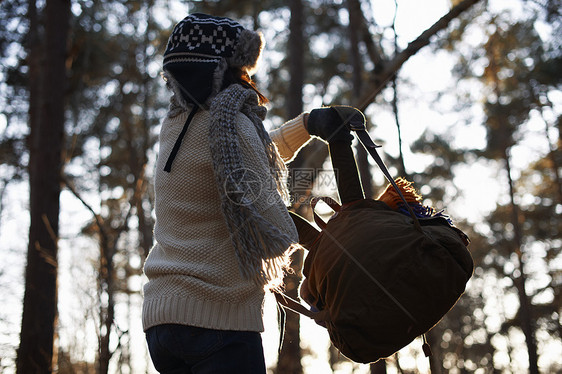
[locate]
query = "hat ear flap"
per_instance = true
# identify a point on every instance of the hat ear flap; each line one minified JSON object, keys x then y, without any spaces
{"x":248,"y":51}
{"x":307,"y":232}
{"x":193,"y":81}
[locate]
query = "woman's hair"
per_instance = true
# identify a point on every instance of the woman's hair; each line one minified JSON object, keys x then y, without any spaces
{"x":235,"y":75}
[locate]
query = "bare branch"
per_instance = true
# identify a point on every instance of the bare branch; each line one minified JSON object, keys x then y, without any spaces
{"x":97,"y":217}
{"x":374,"y":50}
{"x":413,"y":47}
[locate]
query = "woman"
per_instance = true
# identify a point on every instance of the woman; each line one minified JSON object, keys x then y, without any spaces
{"x":223,"y":233}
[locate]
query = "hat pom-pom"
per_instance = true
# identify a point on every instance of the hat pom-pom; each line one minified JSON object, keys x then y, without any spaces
{"x":248,"y":51}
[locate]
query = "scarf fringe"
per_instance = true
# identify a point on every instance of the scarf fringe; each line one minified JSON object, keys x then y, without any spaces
{"x":263,"y":251}
{"x":261,"y":248}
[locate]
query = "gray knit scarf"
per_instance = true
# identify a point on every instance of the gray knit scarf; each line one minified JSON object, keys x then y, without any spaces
{"x":261,"y":247}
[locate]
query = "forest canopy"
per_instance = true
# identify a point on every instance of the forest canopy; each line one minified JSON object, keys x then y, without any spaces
{"x":464,"y":96}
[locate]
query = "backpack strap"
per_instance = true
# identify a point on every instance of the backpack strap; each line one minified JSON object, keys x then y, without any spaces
{"x":330,"y":202}
{"x":346,"y":172}
{"x":307,"y":233}
{"x":286,"y":302}
{"x":292,"y":304}
{"x":371,"y":147}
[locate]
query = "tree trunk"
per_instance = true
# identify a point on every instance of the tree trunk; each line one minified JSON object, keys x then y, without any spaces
{"x":356,"y":24}
{"x":552,"y":156}
{"x":435,"y":360}
{"x":525,"y":314}
{"x":401,"y":163}
{"x":46,"y":112}
{"x":353,"y":28}
{"x":296,"y":58}
{"x":289,"y":360}
{"x":146,"y":223}
{"x":559,"y":128}
{"x":378,"y":367}
{"x":525,"y":319}
{"x":107,"y":309}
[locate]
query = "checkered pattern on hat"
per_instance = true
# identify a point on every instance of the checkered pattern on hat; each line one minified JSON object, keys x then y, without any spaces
{"x":202,"y":38}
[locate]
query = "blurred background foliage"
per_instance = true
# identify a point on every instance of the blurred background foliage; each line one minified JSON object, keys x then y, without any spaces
{"x":490,"y":132}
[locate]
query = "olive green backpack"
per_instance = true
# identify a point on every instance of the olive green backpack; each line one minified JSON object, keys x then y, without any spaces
{"x":378,"y":277}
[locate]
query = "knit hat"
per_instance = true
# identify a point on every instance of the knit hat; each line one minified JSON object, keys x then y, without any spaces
{"x":199,"y":51}
{"x":201,"y":48}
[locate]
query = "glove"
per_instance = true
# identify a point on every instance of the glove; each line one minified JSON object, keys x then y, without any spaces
{"x":332,"y":124}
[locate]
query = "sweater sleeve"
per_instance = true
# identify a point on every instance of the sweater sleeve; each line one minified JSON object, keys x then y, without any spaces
{"x":290,"y":138}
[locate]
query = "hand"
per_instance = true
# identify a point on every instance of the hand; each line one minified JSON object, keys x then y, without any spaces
{"x":332,"y":124}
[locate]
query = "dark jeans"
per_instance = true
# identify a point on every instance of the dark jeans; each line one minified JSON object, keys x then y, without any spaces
{"x":176,"y":349}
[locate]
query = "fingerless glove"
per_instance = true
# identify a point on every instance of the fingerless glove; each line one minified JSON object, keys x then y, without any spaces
{"x":331,"y":123}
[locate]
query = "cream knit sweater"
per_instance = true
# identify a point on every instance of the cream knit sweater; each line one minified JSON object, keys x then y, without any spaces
{"x":192,"y":270}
